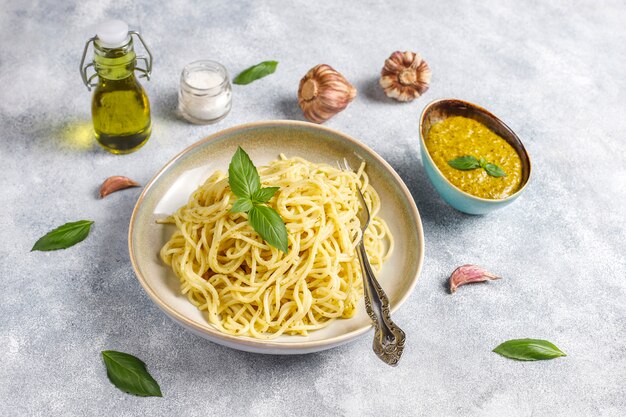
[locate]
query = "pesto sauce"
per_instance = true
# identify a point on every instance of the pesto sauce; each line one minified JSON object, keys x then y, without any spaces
{"x":458,"y":136}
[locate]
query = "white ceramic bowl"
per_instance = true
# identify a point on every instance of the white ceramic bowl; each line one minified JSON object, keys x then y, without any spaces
{"x":264,"y":141}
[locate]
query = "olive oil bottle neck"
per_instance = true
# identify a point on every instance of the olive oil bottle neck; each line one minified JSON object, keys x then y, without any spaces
{"x":115,"y":63}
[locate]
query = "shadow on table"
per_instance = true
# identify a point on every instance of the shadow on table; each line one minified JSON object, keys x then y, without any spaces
{"x":263,"y":363}
{"x":432,"y":208}
{"x":438,"y":217}
{"x":70,"y":135}
{"x":372,"y":91}
{"x":290,"y":109}
{"x":166,"y":108}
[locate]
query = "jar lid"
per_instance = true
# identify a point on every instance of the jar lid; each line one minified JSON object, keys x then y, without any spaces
{"x":112,"y":33}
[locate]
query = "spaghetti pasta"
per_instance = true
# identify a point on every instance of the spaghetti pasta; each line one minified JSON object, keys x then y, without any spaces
{"x":249,"y":288}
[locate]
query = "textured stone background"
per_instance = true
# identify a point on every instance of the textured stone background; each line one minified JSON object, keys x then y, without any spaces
{"x":554,"y":71}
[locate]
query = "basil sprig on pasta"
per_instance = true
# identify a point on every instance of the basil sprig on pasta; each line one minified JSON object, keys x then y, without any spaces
{"x":245,"y":183}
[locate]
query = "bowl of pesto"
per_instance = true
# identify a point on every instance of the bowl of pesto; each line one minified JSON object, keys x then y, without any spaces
{"x":473,"y":159}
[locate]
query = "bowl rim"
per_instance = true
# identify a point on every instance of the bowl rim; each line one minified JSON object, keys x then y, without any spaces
{"x":498,"y":120}
{"x":261,"y":344}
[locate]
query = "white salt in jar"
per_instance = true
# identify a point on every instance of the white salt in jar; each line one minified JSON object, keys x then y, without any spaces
{"x":205,"y":93}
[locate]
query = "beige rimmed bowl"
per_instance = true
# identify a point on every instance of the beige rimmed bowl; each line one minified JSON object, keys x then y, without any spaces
{"x":264,"y":141}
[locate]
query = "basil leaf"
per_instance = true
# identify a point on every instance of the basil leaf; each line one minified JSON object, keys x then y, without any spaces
{"x":264,"y":194}
{"x":464,"y":163}
{"x":245,"y":183}
{"x":255,"y":72}
{"x":64,"y":236}
{"x":243,"y":204}
{"x":494,"y":170}
{"x":267,"y":223}
{"x":129,"y":374}
{"x":482,"y":162}
{"x":243,"y":177}
{"x":528,"y":350}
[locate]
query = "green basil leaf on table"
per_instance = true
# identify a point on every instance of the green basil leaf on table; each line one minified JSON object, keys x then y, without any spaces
{"x":268,"y":223}
{"x":64,"y":236}
{"x":129,"y":374}
{"x":264,"y":195}
{"x":243,"y":177}
{"x":241,"y":205}
{"x":494,"y":170}
{"x":464,"y":163}
{"x":255,"y":72}
{"x":528,"y":350}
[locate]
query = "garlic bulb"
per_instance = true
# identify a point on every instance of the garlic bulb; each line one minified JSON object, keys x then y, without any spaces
{"x":405,"y":76}
{"x":323,"y":92}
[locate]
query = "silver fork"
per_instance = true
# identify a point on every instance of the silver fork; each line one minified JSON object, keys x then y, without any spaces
{"x":388,"y":338}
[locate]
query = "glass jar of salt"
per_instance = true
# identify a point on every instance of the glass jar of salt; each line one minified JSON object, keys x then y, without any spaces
{"x":205,"y":92}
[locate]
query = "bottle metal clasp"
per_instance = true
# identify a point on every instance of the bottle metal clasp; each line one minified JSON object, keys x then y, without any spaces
{"x":88,"y":78}
{"x":147,"y":71}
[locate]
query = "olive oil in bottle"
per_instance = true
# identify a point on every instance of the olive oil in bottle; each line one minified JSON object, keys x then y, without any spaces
{"x":120,"y":108}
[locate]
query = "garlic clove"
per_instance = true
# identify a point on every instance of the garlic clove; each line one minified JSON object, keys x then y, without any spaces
{"x":324,"y":92}
{"x":467,"y":274}
{"x":116,"y":183}
{"x":405,"y":76}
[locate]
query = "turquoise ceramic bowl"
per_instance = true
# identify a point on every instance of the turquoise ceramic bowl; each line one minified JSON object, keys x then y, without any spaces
{"x":441,"y":109}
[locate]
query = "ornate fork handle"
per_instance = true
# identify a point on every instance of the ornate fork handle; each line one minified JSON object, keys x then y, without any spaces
{"x":388,"y":338}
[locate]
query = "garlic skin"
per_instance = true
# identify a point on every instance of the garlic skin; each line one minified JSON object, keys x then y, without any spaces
{"x":324,"y":92}
{"x":116,"y":183}
{"x":467,"y":274}
{"x":405,"y":76}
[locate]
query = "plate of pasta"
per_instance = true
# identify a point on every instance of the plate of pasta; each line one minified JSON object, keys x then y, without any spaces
{"x":209,"y":258}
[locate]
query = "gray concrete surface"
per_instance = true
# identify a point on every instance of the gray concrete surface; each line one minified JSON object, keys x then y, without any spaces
{"x":554,"y":71}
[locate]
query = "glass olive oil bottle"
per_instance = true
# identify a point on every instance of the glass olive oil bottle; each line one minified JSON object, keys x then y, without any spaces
{"x":120,"y":108}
